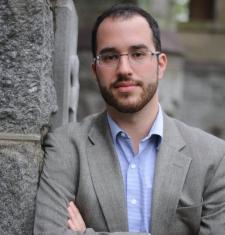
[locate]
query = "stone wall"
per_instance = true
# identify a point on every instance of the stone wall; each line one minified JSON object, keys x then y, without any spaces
{"x":27,"y":95}
{"x":20,"y":161}
{"x":38,"y":90}
{"x":27,"y":99}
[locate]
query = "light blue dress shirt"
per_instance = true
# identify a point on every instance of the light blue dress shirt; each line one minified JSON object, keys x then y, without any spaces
{"x":138,"y":171}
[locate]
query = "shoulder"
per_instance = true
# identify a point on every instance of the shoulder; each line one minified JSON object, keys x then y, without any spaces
{"x":206,"y":152}
{"x":199,"y":140}
{"x":77,"y":130}
{"x":196,"y":134}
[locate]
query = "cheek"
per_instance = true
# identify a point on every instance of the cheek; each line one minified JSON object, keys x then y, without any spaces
{"x":105,"y":77}
{"x":148,"y":72}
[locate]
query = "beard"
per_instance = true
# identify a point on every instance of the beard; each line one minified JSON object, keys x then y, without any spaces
{"x":120,"y":102}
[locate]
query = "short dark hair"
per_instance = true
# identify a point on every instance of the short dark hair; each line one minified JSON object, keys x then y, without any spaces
{"x":126,"y":11}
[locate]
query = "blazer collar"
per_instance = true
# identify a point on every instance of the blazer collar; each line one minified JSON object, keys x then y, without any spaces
{"x":170,"y":173}
{"x":106,"y":175}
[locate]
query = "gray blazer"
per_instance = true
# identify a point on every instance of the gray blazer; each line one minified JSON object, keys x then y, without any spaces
{"x":81,"y":165}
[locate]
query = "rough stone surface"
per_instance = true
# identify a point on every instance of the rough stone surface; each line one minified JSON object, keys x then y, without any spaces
{"x":19,"y":172}
{"x":27,"y":100}
{"x":27,"y":95}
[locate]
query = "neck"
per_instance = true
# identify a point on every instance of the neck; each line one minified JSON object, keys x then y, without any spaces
{"x":136,"y":125}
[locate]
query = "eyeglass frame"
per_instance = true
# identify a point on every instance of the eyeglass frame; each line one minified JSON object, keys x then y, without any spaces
{"x":98,"y":58}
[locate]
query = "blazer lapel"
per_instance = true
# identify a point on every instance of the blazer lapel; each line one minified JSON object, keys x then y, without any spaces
{"x":106,"y":175}
{"x":171,"y":169}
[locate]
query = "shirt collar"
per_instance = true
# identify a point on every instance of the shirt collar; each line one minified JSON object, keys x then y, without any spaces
{"x":156,"y":130}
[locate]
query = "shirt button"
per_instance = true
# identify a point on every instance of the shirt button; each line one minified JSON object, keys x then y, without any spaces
{"x":123,"y":134}
{"x":133,"y":166}
{"x":134,"y":201}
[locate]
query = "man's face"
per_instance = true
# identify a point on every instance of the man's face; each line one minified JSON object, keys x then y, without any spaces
{"x":128,"y":86}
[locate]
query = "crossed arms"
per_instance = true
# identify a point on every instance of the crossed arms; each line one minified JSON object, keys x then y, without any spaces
{"x":56,"y":214}
{"x":66,"y":178}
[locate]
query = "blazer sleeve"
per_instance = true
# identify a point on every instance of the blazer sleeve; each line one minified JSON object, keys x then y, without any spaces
{"x":213,"y":211}
{"x":58,"y":184}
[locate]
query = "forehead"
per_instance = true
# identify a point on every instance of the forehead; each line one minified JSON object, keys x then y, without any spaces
{"x":123,"y":33}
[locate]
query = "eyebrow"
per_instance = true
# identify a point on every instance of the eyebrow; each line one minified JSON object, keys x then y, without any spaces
{"x":113,"y":49}
{"x":139,"y":46}
{"x":107,"y":49}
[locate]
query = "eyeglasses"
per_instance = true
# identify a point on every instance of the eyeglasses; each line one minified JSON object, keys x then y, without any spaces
{"x":112,"y":59}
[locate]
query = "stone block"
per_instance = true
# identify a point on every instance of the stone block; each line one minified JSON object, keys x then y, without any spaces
{"x":20,"y":163}
{"x":27,"y":94}
{"x":27,"y":100}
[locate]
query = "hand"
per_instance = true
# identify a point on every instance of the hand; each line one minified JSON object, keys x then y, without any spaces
{"x":75,"y":222}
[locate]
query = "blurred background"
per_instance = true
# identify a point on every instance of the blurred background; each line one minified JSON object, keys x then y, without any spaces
{"x":193,"y":36}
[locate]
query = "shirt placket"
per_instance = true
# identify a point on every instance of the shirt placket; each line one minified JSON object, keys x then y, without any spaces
{"x":133,"y":190}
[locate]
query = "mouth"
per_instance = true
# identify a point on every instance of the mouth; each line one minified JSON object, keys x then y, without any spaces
{"x":126,"y":86}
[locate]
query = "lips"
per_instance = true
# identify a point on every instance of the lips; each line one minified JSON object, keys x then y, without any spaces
{"x":126,"y":86}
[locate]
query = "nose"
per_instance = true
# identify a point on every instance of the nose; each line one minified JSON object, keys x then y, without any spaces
{"x":124,"y":66}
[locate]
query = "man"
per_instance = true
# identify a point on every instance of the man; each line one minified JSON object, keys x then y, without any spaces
{"x":131,"y":169}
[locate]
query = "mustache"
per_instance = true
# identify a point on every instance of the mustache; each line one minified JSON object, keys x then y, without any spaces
{"x":123,"y":78}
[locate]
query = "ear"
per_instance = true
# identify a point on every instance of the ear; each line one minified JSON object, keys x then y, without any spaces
{"x":162,"y":64}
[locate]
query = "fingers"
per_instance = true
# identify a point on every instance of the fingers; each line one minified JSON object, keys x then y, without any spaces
{"x":75,"y":221}
{"x":71,"y":225}
{"x":75,"y":215}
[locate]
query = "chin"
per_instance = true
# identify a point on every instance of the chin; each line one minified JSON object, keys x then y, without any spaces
{"x":129,"y":108}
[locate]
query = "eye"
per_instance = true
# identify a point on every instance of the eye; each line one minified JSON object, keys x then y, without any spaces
{"x":138,"y":55}
{"x":109,"y":57}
